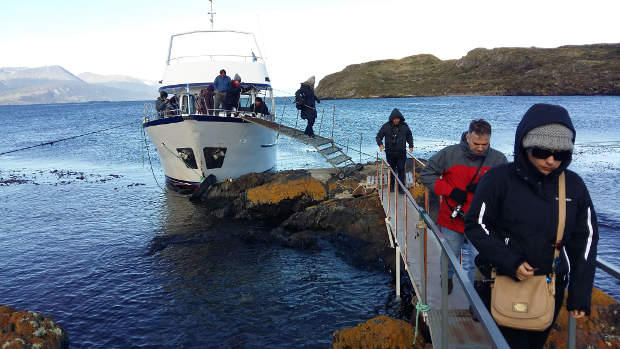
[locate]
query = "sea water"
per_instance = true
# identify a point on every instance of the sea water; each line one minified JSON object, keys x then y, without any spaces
{"x":80,"y":219}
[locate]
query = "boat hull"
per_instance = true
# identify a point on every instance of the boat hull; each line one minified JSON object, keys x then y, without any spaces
{"x":226,"y":147}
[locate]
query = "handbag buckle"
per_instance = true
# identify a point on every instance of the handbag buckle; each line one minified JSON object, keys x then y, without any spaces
{"x":519,"y":307}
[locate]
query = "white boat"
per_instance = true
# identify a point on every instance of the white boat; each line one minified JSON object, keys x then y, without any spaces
{"x":193,"y":145}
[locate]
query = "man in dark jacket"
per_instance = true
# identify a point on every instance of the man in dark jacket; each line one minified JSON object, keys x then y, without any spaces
{"x":397,"y":134}
{"x":453,"y":173}
{"x":304,"y":101}
{"x":231,"y":102}
{"x":514,"y":216}
{"x":161,"y":103}
{"x":259,"y":107}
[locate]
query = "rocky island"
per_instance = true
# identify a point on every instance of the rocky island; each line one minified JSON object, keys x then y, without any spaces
{"x":567,"y":70}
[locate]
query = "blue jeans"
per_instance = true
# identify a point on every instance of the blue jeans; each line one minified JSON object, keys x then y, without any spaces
{"x":455,"y":241}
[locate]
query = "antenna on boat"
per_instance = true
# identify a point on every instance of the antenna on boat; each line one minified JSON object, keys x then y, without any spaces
{"x":211,"y":13}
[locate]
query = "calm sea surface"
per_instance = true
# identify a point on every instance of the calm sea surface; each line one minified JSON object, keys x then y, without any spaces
{"x":79,"y":219}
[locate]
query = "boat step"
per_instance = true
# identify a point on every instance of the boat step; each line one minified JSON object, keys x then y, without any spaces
{"x":329,"y":151}
{"x":339,"y":159}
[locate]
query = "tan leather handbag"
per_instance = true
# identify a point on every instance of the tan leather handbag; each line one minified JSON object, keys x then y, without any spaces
{"x":529,"y":304}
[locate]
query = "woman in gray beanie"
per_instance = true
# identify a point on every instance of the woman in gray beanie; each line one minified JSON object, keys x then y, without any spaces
{"x":513,"y":219}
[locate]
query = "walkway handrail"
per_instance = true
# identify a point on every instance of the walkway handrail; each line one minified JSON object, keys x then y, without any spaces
{"x":485,"y":317}
{"x":474,"y":298}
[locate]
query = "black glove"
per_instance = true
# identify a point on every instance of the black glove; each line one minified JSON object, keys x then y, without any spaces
{"x":458,"y":195}
{"x":471,"y":187}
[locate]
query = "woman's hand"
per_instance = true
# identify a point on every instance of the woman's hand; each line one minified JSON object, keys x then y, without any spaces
{"x":577,"y":314}
{"x":525,"y":271}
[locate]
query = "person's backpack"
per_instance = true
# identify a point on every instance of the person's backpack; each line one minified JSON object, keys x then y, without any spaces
{"x":299,"y":99}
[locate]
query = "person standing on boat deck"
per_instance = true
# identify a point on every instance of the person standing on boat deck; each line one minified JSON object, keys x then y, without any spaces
{"x":304,"y":102}
{"x":453,"y":173}
{"x":259,"y":107}
{"x":397,"y":134}
{"x":221,"y":86}
{"x":161,"y":103}
{"x":233,"y":93}
{"x":514,"y":216}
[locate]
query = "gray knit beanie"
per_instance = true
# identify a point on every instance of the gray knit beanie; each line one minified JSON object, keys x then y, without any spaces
{"x":551,"y":137}
{"x":237,"y":78}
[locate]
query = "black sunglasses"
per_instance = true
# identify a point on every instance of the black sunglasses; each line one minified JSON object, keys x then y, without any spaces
{"x":541,"y":153}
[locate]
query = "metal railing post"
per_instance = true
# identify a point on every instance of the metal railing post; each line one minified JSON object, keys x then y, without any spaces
{"x":360,"y":147}
{"x":421,"y":228}
{"x":333,"y":122}
{"x":444,"y":299}
{"x":389,"y":178}
{"x":413,"y":173}
{"x":397,"y":249}
{"x":321,"y":123}
{"x":572,"y":332}
{"x":406,"y":233}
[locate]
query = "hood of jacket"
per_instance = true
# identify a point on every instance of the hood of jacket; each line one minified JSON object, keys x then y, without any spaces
{"x":396,"y":114}
{"x":539,"y":115}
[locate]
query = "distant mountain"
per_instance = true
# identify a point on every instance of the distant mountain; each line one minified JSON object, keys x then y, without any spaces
{"x":54,"y":84}
{"x":122,"y":82}
{"x":566,"y":70}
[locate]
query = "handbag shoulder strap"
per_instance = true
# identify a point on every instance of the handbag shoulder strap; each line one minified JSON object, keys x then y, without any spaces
{"x":561,"y":213}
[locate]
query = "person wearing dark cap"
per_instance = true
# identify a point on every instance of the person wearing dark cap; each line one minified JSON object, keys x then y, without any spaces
{"x":453,"y":173}
{"x":397,"y":134}
{"x":514,"y":218}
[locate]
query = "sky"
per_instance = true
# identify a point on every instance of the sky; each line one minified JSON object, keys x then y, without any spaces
{"x":297,"y":38}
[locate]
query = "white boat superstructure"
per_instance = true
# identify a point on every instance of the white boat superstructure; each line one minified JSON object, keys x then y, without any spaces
{"x":194,"y":142}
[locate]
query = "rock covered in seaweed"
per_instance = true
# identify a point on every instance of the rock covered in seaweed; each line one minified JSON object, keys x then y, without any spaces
{"x":379,"y":333}
{"x":27,"y":329}
{"x":599,"y":330}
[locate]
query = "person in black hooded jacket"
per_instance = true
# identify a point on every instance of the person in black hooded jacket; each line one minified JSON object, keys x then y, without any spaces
{"x":304,"y":102}
{"x":513,"y":217}
{"x":397,"y":134}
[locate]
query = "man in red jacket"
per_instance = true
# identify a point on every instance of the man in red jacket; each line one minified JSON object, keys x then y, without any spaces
{"x":453,"y":174}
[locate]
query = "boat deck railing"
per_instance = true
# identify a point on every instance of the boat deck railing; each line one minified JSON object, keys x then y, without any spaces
{"x":426,"y":255}
{"x":151,"y":114}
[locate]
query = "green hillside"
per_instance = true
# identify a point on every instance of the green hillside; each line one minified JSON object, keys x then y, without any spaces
{"x":566,"y":70}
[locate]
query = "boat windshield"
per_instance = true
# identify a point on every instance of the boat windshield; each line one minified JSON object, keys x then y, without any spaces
{"x":214,"y":46}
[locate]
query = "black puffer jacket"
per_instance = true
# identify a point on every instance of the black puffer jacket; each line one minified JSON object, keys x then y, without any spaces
{"x":305,"y":98}
{"x":514,"y":215}
{"x":396,"y":136}
{"x":233,"y":94}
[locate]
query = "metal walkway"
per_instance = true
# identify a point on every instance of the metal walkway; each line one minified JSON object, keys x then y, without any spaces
{"x":409,"y":230}
{"x":324,"y":146}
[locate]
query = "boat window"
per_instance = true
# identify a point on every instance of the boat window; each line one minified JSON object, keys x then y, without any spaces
{"x":214,"y":157}
{"x":192,"y":104}
{"x":187,"y":155}
{"x":184,"y":108}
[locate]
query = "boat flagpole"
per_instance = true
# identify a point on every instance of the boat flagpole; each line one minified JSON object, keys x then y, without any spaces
{"x":211,"y":13}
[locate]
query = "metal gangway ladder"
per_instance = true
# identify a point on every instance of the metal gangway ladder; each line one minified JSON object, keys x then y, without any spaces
{"x":418,"y":242}
{"x":332,"y":153}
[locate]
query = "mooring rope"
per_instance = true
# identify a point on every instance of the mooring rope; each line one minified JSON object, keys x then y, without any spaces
{"x":419,"y":308}
{"x":65,"y":139}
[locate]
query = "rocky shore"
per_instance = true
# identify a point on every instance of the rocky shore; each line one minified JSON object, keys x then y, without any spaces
{"x":305,"y":206}
{"x":21,"y":329}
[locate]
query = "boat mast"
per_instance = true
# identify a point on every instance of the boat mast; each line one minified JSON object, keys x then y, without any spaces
{"x":211,"y":13}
